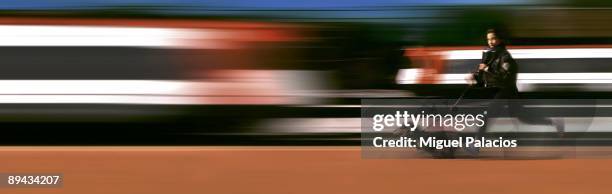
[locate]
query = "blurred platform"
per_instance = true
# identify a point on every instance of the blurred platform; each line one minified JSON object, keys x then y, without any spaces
{"x":293,"y":170}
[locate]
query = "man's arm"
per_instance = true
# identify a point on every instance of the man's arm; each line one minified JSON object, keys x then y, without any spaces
{"x":505,"y":71}
{"x":476,"y":78}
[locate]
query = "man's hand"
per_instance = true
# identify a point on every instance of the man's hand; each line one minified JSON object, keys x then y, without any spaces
{"x":482,"y":66}
{"x":470,"y":79}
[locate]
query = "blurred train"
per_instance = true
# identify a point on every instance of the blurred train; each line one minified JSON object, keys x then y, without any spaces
{"x":83,"y":80}
{"x":87,"y":79}
{"x":557,"y":71}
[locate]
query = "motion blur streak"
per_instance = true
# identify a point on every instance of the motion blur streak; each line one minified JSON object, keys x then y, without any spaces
{"x":274,"y":72}
{"x":265,"y":96}
{"x":117,"y":87}
{"x":559,"y":53}
{"x":42,"y":35}
{"x":541,"y":68}
{"x":260,"y":91}
{"x":406,"y":76}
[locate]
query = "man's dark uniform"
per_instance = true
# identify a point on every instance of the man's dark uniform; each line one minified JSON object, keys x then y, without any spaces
{"x":500,"y":74}
{"x":499,"y":82}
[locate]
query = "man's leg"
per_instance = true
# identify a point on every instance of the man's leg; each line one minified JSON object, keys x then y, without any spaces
{"x":518,"y":110}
